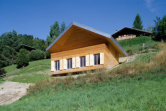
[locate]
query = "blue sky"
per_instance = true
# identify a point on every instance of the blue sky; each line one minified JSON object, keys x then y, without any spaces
{"x":34,"y":17}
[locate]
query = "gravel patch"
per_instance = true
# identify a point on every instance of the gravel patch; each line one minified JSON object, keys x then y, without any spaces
{"x":12,"y":91}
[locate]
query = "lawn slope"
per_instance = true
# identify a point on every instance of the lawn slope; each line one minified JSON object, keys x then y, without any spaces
{"x":35,"y":71}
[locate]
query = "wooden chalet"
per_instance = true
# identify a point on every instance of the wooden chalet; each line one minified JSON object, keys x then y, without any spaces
{"x":81,"y":48}
{"x":128,"y":33}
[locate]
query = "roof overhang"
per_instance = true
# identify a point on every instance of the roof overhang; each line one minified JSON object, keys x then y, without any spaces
{"x":68,"y":30}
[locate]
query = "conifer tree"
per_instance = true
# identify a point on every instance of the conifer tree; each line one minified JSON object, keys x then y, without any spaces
{"x":22,"y":59}
{"x":138,"y":22}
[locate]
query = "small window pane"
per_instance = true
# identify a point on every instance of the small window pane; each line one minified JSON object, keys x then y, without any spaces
{"x":69,"y":63}
{"x":82,"y":61}
{"x":57,"y":65}
{"x":96,"y":59}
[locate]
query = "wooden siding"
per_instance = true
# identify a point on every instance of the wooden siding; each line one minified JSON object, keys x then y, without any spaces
{"x":125,"y":37}
{"x":75,"y":38}
{"x":110,"y":57}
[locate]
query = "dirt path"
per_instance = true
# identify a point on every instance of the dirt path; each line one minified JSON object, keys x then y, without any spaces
{"x":12,"y":91}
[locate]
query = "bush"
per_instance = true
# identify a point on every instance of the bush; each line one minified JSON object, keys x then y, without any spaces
{"x":47,"y":55}
{"x":22,"y":59}
{"x":129,"y":52}
{"x":36,"y":55}
{"x":2,"y":73}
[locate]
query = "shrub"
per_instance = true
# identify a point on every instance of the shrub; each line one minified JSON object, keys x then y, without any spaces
{"x":36,"y":55}
{"x":2,"y":73}
{"x":129,"y":52}
{"x":23,"y":58}
{"x":47,"y":55}
{"x":160,"y":29}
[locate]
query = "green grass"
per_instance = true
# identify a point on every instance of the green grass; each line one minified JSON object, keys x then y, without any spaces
{"x":39,"y":65}
{"x":119,"y":94}
{"x":143,"y":89}
{"x":134,"y":45}
{"x":30,"y":78}
{"x":139,"y":91}
{"x":35,"y":71}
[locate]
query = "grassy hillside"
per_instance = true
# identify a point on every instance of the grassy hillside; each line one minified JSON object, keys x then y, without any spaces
{"x":134,"y":45}
{"x":35,"y":71}
{"x":138,"y":85}
{"x":118,"y":95}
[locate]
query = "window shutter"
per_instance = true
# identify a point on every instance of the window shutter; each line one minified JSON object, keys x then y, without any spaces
{"x":52,"y":66}
{"x":91,"y":60}
{"x":73,"y":62}
{"x":64,"y":64}
{"x":101,"y":58}
{"x":61,"y":66}
{"x":87,"y":60}
{"x":77,"y":62}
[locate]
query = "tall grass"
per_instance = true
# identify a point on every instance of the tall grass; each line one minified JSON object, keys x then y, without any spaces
{"x":118,"y":94}
{"x":160,"y":59}
{"x":144,"y":62}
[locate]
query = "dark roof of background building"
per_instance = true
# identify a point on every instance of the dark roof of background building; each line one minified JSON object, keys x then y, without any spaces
{"x":29,"y":48}
{"x":127,"y":30}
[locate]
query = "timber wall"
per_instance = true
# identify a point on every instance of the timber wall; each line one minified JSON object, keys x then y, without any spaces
{"x":111,"y":57}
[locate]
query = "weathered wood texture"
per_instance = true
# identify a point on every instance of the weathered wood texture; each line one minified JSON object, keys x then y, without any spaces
{"x":110,"y":57}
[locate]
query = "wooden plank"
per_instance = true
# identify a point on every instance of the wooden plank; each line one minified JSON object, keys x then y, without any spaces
{"x":78,"y":69}
{"x":52,"y":65}
{"x":87,"y":60}
{"x":108,"y":51}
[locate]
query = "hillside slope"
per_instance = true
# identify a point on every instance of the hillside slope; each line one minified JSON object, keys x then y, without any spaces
{"x":35,"y":71}
{"x":136,"y":85}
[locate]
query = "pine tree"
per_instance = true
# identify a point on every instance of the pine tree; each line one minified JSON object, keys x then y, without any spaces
{"x":63,"y":27}
{"x":54,"y":30}
{"x":138,"y":22}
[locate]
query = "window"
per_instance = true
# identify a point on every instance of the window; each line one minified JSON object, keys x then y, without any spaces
{"x":57,"y":65}
{"x":122,"y":36}
{"x":69,"y":63}
{"x":130,"y":35}
{"x":82,"y":61}
{"x":96,"y":59}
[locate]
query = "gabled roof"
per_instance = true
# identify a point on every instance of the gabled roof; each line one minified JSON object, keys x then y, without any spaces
{"x":109,"y":38}
{"x":128,"y":30}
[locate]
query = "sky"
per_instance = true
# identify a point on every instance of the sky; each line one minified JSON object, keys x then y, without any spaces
{"x":34,"y":17}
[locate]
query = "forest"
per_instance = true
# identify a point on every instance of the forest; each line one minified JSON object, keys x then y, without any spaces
{"x":10,"y":44}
